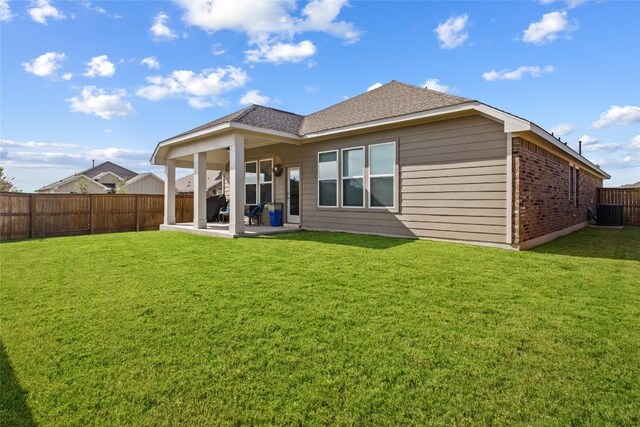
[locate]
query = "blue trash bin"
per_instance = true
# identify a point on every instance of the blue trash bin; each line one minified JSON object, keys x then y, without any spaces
{"x":275,"y":214}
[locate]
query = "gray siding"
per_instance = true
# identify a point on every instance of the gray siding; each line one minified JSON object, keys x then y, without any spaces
{"x":452,"y":182}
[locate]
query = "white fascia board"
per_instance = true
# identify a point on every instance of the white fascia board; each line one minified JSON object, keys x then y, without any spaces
{"x":511,"y":122}
{"x":554,"y":141}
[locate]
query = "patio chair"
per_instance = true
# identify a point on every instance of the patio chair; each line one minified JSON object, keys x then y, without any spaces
{"x":255,"y":212}
{"x":224,"y":213}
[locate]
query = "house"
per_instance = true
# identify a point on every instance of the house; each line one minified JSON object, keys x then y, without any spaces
{"x":214,"y":184}
{"x":104,"y":178}
{"x":634,"y":185}
{"x":398,"y":160}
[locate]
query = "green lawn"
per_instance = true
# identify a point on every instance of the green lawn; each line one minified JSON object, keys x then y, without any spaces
{"x":160,"y":328}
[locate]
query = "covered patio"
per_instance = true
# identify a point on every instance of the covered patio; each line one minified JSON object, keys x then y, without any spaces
{"x":216,"y":147}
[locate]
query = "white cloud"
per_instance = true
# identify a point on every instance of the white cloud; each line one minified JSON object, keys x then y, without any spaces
{"x":201,"y":89}
{"x":588,"y":140}
{"x":572,"y":4}
{"x":562,"y":129}
{"x":279,"y":53}
{"x":374,"y":86}
{"x":161,"y":30}
{"x":80,"y":158}
{"x":321,"y":15}
{"x":107,"y":131}
{"x":254,"y":97}
{"x":67,"y":76}
{"x":100,"y":66}
{"x":5,"y":11}
{"x":45,"y":65}
{"x":609,"y":146}
{"x":635,"y":143}
{"x":41,"y":10}
{"x":217,"y":49}
{"x":98,"y":101}
{"x":271,"y":25}
{"x":434,"y":84}
{"x":452,"y":33}
{"x":548,"y":28}
{"x":34,"y":144}
{"x":618,"y":116}
{"x":517,"y":74}
{"x":151,"y":62}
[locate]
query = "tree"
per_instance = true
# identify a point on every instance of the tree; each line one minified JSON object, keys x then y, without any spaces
{"x":82,"y":187}
{"x":6,"y":183}
{"x":120,"y":187}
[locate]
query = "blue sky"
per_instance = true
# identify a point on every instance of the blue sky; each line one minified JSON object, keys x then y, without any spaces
{"x":107,"y":80}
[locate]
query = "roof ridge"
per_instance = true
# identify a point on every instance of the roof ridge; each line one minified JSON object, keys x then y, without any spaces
{"x":246,"y":111}
{"x":279,"y":110}
{"x":435,"y":92}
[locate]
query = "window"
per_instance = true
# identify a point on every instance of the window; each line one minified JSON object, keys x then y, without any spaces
{"x":577,"y":186}
{"x":266,"y":181}
{"x":353,"y":177}
{"x":570,"y":183}
{"x":382,"y":165}
{"x":328,"y":179}
{"x":250,"y":183}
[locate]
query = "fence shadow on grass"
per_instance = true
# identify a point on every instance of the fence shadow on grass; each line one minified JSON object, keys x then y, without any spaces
{"x":345,"y":239}
{"x":14,"y":410}
{"x":597,"y":242}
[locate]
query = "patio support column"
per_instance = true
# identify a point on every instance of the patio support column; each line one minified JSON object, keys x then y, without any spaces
{"x":170,"y":192}
{"x":236,"y":185}
{"x":200,"y":190}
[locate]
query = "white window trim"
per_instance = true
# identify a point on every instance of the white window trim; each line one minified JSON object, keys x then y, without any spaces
{"x":256,"y":184}
{"x":394,"y":175}
{"x":272,"y":182}
{"x":342,"y":177}
{"x":338,"y":192}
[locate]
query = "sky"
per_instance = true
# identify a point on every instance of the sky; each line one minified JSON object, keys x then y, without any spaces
{"x":107,"y":80}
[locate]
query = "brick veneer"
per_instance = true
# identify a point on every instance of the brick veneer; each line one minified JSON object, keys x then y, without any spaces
{"x":541,"y":202}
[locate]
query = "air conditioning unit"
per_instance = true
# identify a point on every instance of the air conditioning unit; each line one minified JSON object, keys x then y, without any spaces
{"x":610,"y":215}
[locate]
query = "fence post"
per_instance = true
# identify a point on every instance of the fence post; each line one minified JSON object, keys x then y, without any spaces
{"x":137,"y":213}
{"x":92,"y":212}
{"x":32,"y":216}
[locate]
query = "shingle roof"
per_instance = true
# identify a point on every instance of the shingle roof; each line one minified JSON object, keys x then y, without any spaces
{"x":123,"y":173}
{"x":390,"y":100}
{"x":185,"y":184}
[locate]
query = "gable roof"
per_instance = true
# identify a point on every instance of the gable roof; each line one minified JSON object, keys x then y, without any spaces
{"x":142,"y":176}
{"x":68,"y":180}
{"x":94,"y":172}
{"x":107,"y":166}
{"x":185,"y":184}
{"x":390,"y":104}
{"x":390,"y":100}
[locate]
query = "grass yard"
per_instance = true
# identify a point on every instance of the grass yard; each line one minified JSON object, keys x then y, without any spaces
{"x":160,"y":328}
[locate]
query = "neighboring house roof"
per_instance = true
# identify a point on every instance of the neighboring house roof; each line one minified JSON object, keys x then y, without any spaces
{"x":390,"y":104}
{"x":634,"y":185}
{"x":143,"y":176}
{"x":68,"y":180}
{"x":95,"y":173}
{"x":100,"y":175}
{"x":118,"y":170}
{"x":185,"y":184}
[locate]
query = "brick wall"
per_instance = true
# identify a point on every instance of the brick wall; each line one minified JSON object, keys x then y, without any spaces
{"x":541,"y":202}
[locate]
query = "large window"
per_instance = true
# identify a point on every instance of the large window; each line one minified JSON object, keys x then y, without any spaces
{"x":353,"y":177}
{"x":382,"y":164}
{"x":250,"y":183}
{"x":328,"y":179}
{"x":266,"y":181}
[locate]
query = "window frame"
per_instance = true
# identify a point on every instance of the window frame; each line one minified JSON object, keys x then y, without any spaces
{"x":256,"y":184}
{"x":393,"y":175}
{"x":337,"y":178}
{"x":576,"y":192}
{"x":363,"y":177}
{"x":259,"y":181}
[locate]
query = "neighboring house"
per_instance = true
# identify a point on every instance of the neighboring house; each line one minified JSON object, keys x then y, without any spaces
{"x":185,"y":185}
{"x":104,"y":178}
{"x":399,"y":160}
{"x":634,"y":185}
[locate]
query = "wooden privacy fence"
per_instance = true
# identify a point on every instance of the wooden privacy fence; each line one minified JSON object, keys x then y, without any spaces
{"x":25,"y":216}
{"x":629,"y":198}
